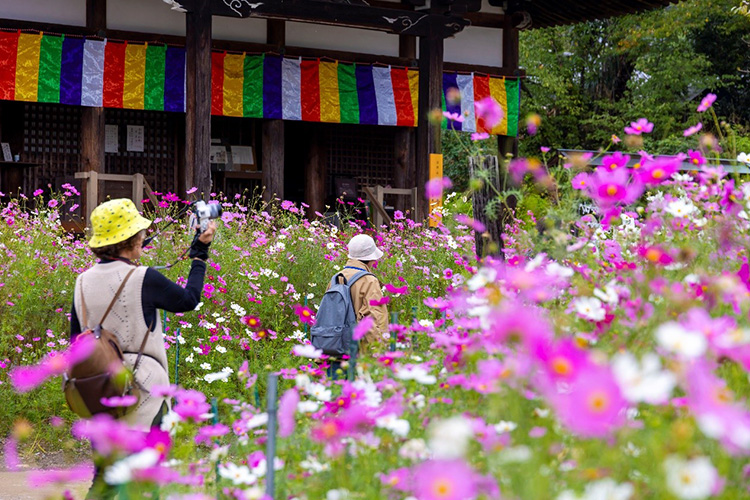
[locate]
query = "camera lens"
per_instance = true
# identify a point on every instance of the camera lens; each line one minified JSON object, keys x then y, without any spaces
{"x":215,"y":210}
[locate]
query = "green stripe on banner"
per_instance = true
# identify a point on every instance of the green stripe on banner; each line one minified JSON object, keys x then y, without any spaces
{"x":444,"y":107}
{"x":50,"y":55}
{"x":511,"y":90}
{"x":348,"y":96}
{"x":252,"y":92}
{"x":156,"y":61}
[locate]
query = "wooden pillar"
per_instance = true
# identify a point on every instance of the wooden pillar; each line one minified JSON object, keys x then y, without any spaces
{"x":198,"y":104}
{"x":511,"y":61}
{"x":430,"y":90}
{"x":403,"y":172}
{"x":272,"y":162}
{"x":407,"y":46}
{"x":315,"y":173}
{"x":276,"y":33}
{"x":92,"y":155}
{"x":96,"y":16}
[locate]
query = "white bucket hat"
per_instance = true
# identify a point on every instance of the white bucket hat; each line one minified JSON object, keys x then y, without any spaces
{"x":362,"y":247}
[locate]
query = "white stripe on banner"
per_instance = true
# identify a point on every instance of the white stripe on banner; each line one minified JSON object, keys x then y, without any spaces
{"x":92,"y":82}
{"x":384,"y":96}
{"x":466,"y":88}
{"x":291,"y":85}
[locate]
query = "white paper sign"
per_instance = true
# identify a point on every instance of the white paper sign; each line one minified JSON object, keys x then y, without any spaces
{"x":7,"y":156}
{"x":242,"y":155}
{"x":217,"y":154}
{"x":111,"y":139}
{"x":135,"y":138}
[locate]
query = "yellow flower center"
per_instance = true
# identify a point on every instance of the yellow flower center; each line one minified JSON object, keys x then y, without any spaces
{"x":653,"y":254}
{"x":562,"y":366}
{"x":598,"y":401}
{"x":442,"y":488}
{"x":658,"y":173}
{"x":611,"y":190}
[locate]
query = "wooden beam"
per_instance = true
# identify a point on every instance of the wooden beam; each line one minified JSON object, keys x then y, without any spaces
{"x":92,"y":139}
{"x":96,"y":15}
{"x":272,"y":163}
{"x":431,"y":51}
{"x":362,"y":16}
{"x":276,"y":33}
{"x":315,"y":172}
{"x":403,"y":172}
{"x":198,"y":99}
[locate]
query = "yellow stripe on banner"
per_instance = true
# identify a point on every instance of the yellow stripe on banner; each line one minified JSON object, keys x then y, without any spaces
{"x":234,"y":82}
{"x":497,"y":91}
{"x":330,"y":106}
{"x":414,"y":91}
{"x":134,"y":84}
{"x":27,"y":67}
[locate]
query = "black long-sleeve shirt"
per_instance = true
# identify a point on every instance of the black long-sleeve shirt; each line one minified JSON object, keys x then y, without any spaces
{"x":159,"y":292}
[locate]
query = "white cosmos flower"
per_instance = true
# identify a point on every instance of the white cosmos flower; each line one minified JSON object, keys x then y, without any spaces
{"x":555,"y":269}
{"x":307,"y":351}
{"x":675,"y":338}
{"x":744,"y":158}
{"x":604,"y":489}
{"x":307,"y":406}
{"x":417,"y":373}
{"x":414,"y":449}
{"x":483,"y":277}
{"x":257,"y":420}
{"x":121,"y":472}
{"x":238,"y":474}
{"x":503,"y":427}
{"x":449,"y":438}
{"x":221,"y":349}
{"x":690,"y":479}
{"x":644,"y":381}
{"x":398,"y":426}
{"x":213,"y":377}
{"x":319,"y":392}
{"x":169,"y":422}
{"x":589,"y":308}
{"x":609,"y":294}
{"x":680,"y":208}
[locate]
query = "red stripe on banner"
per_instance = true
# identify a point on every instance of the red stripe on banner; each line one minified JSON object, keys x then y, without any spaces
{"x":310,"y":91}
{"x":217,"y":83}
{"x":8,"y":54}
{"x":114,"y":74}
{"x":481,"y":90}
{"x":402,"y":96}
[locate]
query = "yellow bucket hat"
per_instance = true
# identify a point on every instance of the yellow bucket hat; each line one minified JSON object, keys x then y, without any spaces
{"x":115,"y":221}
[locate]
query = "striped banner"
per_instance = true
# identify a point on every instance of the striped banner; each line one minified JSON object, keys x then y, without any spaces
{"x":75,"y":71}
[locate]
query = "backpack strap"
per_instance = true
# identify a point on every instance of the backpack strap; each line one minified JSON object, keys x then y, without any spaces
{"x":357,"y":276}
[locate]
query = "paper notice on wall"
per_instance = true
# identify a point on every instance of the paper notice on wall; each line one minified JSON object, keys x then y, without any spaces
{"x":217,"y":154}
{"x":111,"y":139}
{"x":135,"y":138}
{"x":242,"y":155}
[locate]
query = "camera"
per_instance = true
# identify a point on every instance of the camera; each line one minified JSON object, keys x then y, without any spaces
{"x":202,"y":212}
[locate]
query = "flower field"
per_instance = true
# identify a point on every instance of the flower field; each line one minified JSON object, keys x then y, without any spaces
{"x":606,"y":358}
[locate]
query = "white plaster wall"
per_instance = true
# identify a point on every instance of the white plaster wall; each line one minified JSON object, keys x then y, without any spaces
{"x":70,"y":12}
{"x":146,"y":16}
{"x":486,"y":7}
{"x":476,"y":45}
{"x":346,"y":39}
{"x":241,"y":30}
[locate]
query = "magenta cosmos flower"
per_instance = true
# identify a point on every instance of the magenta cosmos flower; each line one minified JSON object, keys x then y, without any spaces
{"x":706,"y":103}
{"x":659,"y":170}
{"x":287,"y":409}
{"x":434,"y":187}
{"x":444,"y":480}
{"x":642,"y":126}
{"x":615,"y":161}
{"x":593,"y":406}
{"x":613,"y":187}
{"x":489,"y":112}
{"x":693,"y":130}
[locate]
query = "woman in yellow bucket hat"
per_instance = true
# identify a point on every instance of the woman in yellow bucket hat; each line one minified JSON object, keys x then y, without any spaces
{"x":117,"y":235}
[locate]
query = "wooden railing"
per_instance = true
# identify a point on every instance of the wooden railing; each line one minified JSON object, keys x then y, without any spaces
{"x":91,"y":189}
{"x":376,"y":193}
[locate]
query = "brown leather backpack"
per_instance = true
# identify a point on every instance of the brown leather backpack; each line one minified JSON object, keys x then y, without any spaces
{"x":104,"y":373}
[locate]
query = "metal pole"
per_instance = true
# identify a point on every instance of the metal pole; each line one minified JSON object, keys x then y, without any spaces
{"x":177,"y":358}
{"x":305,"y":326}
{"x":215,"y":411}
{"x":273,"y":380}
{"x":394,"y":320}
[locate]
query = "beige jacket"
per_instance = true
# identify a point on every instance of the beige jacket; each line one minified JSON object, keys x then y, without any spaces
{"x":363,"y":291}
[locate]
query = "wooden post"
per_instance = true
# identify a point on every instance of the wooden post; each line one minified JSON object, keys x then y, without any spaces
{"x":315,"y":173}
{"x":96,"y":16}
{"x":276,"y":33}
{"x":92,"y":154}
{"x":430,"y":89}
{"x":272,"y":162}
{"x":198,"y":104}
{"x":403,"y":172}
{"x":507,"y":144}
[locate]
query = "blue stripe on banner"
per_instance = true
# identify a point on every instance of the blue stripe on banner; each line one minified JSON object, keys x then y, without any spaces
{"x":384,"y":94}
{"x":449,"y":82}
{"x":368,"y":104}
{"x":174,"y":80}
{"x":71,"y":71}
{"x":272,"y":87}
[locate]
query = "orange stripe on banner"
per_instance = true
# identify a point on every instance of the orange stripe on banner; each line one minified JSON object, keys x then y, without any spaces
{"x":27,"y":67}
{"x":414,"y":91}
{"x":497,"y":91}
{"x":217,"y":83}
{"x":234,"y":80}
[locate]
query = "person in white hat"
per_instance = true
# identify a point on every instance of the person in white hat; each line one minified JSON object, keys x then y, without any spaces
{"x":366,"y":292}
{"x":117,"y":235}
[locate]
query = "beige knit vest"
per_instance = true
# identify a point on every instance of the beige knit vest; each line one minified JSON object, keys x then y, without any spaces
{"x":126,"y":321}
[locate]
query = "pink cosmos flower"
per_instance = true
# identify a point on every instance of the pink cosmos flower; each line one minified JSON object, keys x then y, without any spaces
{"x":693,"y":130}
{"x":26,"y":378}
{"x":453,"y":117}
{"x":479,"y":136}
{"x":696,"y":158}
{"x":158,"y":440}
{"x":581,"y":181}
{"x":192,"y":190}
{"x":403,"y":290}
{"x":642,"y":126}
{"x":42,"y":478}
{"x":593,"y":405}
{"x":380,"y":302}
{"x":444,"y":480}
{"x":363,"y":327}
{"x":434,"y":187}
{"x":119,"y":401}
{"x":305,"y":314}
{"x":488,"y":112}
{"x":37,"y":192}
{"x":287,"y":409}
{"x":472,"y":223}
{"x":655,"y":255}
{"x":397,"y":479}
{"x":614,"y":187}
{"x":191,"y":404}
{"x":210,"y":432}
{"x":561,"y":360}
{"x":659,"y":170}
{"x":615,"y":161}
{"x":706,"y":102}
{"x":251,"y":321}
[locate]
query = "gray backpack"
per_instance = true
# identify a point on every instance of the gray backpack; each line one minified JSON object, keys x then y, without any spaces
{"x":336,"y":319}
